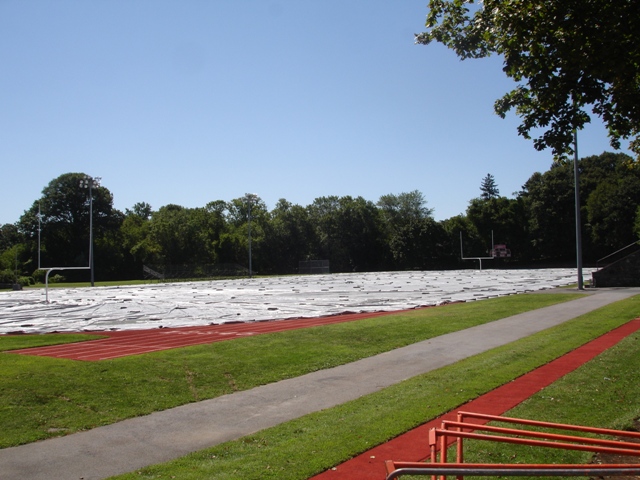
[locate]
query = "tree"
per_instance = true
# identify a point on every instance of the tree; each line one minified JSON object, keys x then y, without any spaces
{"x":178,"y":233}
{"x":9,"y":236}
{"x":361,"y":234}
{"x":214,"y":224}
{"x":289,"y":239}
{"x":234,"y":240}
{"x":611,"y":211}
{"x":323,"y":214}
{"x":414,"y":238}
{"x":489,"y":188}
{"x":65,"y":217}
{"x":12,"y":254}
{"x":506,"y":218}
{"x":140,"y":209}
{"x":461,"y":227}
{"x":566,"y":56}
{"x":350,"y":233}
{"x":636,"y":225}
{"x":503,"y":217}
{"x":549,"y":199}
{"x":403,"y":208}
{"x":610,"y":185}
{"x":420,"y":244}
{"x":136,"y":241}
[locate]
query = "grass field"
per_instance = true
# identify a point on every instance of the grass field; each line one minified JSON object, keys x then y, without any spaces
{"x":42,"y":397}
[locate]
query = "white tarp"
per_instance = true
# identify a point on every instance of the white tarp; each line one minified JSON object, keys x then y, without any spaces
{"x":220,"y":301}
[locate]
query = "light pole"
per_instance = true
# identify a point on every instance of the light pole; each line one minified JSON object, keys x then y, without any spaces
{"x":250,"y":198}
{"x":576,"y":180}
{"x":39,"y":232}
{"x":90,"y":182}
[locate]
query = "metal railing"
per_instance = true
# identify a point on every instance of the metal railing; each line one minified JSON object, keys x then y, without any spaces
{"x":456,"y":431}
{"x":598,"y":267}
{"x":398,"y":469}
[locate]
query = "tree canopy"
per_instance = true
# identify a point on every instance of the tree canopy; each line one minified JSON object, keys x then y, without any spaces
{"x":568,"y":57}
{"x":63,"y":214}
{"x":398,"y":232}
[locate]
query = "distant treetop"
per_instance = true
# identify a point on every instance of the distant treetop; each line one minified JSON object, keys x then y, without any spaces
{"x":489,"y":188}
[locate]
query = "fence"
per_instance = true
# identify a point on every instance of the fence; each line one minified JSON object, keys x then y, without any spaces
{"x":313,"y":266}
{"x":181,"y":272}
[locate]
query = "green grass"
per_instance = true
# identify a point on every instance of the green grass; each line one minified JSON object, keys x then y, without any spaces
{"x":115,"y":283}
{"x":125,"y":283}
{"x":42,"y":397}
{"x":604,"y":392}
{"x":16,"y":342}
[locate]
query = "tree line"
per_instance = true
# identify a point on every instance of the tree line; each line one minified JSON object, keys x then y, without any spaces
{"x":398,"y":232}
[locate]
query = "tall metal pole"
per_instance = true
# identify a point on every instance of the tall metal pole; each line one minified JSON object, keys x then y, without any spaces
{"x":576,"y":179}
{"x":249,"y":239}
{"x":250,"y":198}
{"x":91,"y":230}
{"x":39,"y":232}
{"x":90,"y":182}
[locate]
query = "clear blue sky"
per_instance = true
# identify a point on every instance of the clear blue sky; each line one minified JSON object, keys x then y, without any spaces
{"x":188,"y":101}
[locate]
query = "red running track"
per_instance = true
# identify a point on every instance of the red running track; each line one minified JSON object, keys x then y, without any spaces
{"x":413,"y":445}
{"x":134,"y":342}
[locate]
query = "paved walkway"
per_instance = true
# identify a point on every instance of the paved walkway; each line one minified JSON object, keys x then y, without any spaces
{"x":162,"y":436}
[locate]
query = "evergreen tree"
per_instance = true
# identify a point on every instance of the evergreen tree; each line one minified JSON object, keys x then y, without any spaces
{"x":489,"y":188}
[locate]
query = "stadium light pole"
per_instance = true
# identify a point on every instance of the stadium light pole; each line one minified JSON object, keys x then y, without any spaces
{"x":250,"y":198}
{"x":576,"y":179}
{"x":90,"y":182}
{"x":39,"y":232}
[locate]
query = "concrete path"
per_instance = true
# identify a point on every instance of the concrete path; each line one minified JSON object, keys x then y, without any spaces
{"x":163,"y":436}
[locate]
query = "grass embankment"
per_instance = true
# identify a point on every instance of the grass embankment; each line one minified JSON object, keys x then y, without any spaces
{"x":42,"y":397}
{"x":604,"y":392}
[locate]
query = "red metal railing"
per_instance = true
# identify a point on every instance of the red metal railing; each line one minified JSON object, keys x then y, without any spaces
{"x":457,"y":431}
